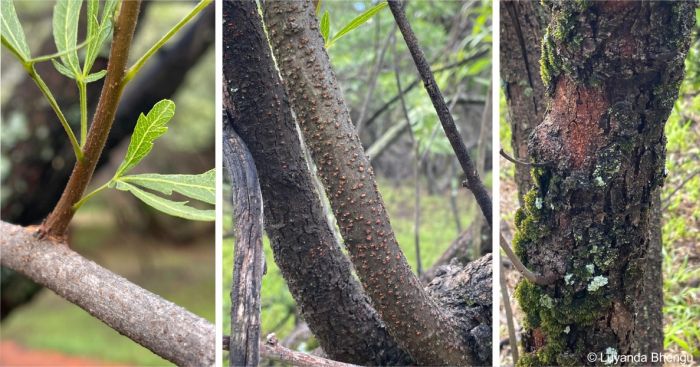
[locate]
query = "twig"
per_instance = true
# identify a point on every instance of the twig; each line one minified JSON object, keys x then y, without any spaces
{"x":57,"y":222}
{"x":473,"y":181}
{"x":509,"y":316}
{"x":527,"y":273}
{"x":163,"y":327}
{"x":521,"y":162}
{"x":667,"y":200}
{"x":249,"y":259}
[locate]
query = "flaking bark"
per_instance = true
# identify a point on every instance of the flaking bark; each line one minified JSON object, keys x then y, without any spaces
{"x":318,"y":274}
{"x":248,"y":256}
{"x":415,"y":320}
{"x":163,"y":327}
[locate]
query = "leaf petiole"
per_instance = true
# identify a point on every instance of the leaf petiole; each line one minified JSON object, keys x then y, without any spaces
{"x":57,"y":54}
{"x":133,"y":70}
{"x":87,"y":197}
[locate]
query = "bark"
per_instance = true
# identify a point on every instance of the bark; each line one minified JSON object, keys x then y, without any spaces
{"x":317,"y":272}
{"x":613,"y":70}
{"x":166,"y":329}
{"x":419,"y":325}
{"x":522,"y":27}
{"x":248,"y":257}
{"x":35,"y":181}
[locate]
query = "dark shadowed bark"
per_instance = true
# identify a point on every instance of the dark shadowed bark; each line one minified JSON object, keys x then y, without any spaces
{"x":166,"y":329}
{"x":248,"y":256}
{"x":522,"y":27}
{"x":613,"y":70}
{"x":425,"y":330}
{"x":317,"y":273}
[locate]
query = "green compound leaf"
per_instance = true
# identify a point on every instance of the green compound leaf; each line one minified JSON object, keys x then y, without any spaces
{"x":98,"y":31}
{"x":174,"y":208}
{"x":62,"y":69}
{"x":148,"y":128}
{"x":200,"y":187}
{"x":12,"y":32}
{"x":325,"y":25}
{"x":358,"y":21}
{"x":65,"y":31}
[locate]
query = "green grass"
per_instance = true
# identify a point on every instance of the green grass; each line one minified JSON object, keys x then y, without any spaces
{"x":438,"y":230}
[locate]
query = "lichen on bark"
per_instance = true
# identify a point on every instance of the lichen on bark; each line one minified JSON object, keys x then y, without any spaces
{"x":612,"y":70}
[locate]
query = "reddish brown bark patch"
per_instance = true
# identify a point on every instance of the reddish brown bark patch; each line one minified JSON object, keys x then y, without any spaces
{"x":575,"y":116}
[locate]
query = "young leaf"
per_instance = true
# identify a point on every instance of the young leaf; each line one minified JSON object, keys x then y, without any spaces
{"x":62,"y":69}
{"x":200,"y":187}
{"x":95,"y":76}
{"x":100,"y":33}
{"x":65,"y":31}
{"x":358,"y":21}
{"x":174,"y":208}
{"x":12,"y":32}
{"x":325,"y":26}
{"x":148,"y":128}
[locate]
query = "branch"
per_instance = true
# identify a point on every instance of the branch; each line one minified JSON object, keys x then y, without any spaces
{"x":520,"y":162}
{"x":163,"y":327}
{"x":473,"y":181}
{"x":274,"y":351}
{"x":522,"y":269}
{"x":57,"y":222}
{"x":509,"y":315}
{"x":249,"y":259}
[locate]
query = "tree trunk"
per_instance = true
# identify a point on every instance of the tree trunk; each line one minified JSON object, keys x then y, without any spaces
{"x":522,"y":26}
{"x":428,"y":332}
{"x":612,"y":70}
{"x":317,"y":272}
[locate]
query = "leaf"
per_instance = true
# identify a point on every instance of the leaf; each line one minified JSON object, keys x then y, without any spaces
{"x":200,"y":187}
{"x":95,"y":76}
{"x":101,"y":32}
{"x":62,"y":69}
{"x":174,"y":208}
{"x":148,"y":128}
{"x":12,"y":32}
{"x":358,"y":21}
{"x":65,"y":31}
{"x":325,"y":26}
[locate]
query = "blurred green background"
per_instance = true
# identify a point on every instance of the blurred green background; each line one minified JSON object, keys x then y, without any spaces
{"x":449,"y":32}
{"x":171,"y":257}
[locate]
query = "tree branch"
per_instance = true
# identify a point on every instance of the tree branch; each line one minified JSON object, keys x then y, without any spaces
{"x":249,"y":259}
{"x":57,"y":222}
{"x":272,"y":350}
{"x":163,"y":327}
{"x":473,"y":181}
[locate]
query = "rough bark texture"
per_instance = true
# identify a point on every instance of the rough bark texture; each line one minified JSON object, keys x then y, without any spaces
{"x":613,"y":70}
{"x":35,"y":181}
{"x":522,"y":27}
{"x":248,"y":256}
{"x":318,"y":274}
{"x":163,"y":327}
{"x":414,"y":319}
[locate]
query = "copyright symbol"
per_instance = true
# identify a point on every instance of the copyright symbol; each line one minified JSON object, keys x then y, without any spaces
{"x":591,"y":357}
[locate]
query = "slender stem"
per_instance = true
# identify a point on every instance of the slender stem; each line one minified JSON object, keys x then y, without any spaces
{"x":473,"y":181}
{"x":514,"y":160}
{"x":133,"y":70}
{"x":91,"y":194}
{"x":54,"y":105}
{"x":509,"y":316}
{"x":83,"y":111}
{"x":522,"y":269}
{"x":57,"y":222}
